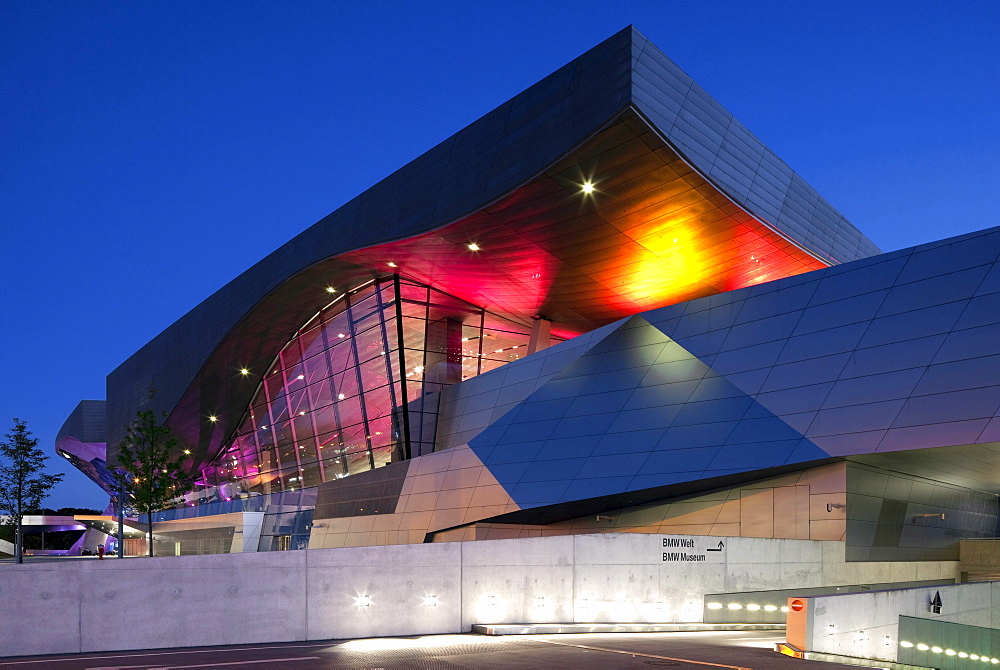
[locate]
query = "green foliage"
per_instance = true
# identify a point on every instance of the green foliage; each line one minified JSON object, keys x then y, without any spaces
{"x":65,"y":511}
{"x":150,"y":476}
{"x":23,"y":481}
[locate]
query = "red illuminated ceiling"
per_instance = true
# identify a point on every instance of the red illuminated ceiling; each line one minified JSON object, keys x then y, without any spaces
{"x":652,"y":233}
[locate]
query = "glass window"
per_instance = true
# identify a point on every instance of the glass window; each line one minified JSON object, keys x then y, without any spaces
{"x":311,"y":475}
{"x":355,"y":337}
{"x":312,"y":342}
{"x":303,"y":427}
{"x":317,"y":367}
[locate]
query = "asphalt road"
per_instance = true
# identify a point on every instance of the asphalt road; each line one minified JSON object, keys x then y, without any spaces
{"x":604,"y":651}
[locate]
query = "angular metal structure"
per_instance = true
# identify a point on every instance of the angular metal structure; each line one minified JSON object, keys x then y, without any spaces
{"x":394,"y":358}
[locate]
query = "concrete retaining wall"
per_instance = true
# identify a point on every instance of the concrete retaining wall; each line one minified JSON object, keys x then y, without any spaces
{"x":77,"y":606}
{"x":866,"y":625}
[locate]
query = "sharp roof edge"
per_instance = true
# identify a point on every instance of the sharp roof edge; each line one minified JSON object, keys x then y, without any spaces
{"x":482,"y":162}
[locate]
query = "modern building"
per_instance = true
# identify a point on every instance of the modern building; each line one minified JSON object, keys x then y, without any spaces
{"x":603,"y":306}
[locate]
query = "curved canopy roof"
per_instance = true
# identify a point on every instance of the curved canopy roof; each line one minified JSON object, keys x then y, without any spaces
{"x":686,"y":203}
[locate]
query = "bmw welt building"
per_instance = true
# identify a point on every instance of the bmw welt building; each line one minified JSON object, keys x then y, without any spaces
{"x":605,"y":307}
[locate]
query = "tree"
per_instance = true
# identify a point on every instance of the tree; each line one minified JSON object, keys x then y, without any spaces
{"x":149,"y":477}
{"x":23,"y":481}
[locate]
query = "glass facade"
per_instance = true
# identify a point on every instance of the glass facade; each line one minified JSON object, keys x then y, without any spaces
{"x":357,"y":386}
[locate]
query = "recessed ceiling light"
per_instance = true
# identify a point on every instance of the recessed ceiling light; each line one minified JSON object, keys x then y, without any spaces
{"x":213,"y":419}
{"x":588,"y":187}
{"x":392,"y":265}
{"x":330,"y":289}
{"x":244,"y":372}
{"x":473,"y":246}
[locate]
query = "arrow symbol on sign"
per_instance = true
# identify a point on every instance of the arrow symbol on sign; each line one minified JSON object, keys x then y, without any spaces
{"x":936,"y":603}
{"x":720,"y":547}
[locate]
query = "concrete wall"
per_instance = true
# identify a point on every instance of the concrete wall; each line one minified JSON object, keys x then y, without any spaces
{"x":866,"y":625}
{"x":401,"y":590}
{"x":979,"y":559}
{"x":453,"y":488}
{"x":791,"y":506}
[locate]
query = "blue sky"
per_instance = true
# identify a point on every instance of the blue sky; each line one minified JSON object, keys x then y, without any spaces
{"x":152,"y":151}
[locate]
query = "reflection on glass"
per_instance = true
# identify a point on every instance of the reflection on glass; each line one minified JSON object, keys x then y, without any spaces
{"x":356,"y":387}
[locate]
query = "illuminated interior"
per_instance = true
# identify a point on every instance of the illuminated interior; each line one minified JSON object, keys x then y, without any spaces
{"x":648,"y":231}
{"x":334,"y":401}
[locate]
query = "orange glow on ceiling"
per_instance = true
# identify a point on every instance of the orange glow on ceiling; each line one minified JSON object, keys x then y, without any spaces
{"x":652,"y":233}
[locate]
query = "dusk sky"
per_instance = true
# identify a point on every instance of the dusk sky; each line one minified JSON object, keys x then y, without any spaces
{"x":152,"y":151}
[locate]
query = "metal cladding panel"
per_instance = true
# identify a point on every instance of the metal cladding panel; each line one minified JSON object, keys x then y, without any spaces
{"x":895,"y":512}
{"x":81,"y":440}
{"x":479,"y":165}
{"x":735,"y":383}
{"x":720,"y":147}
{"x":547,"y":453}
{"x":374,"y":492}
{"x":869,"y":356}
{"x":86,"y":423}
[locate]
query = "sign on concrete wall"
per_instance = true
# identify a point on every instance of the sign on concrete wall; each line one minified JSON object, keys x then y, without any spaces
{"x":689,"y":549}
